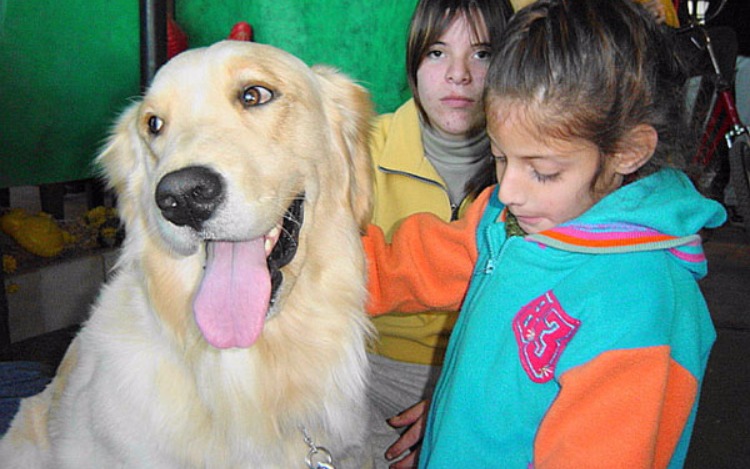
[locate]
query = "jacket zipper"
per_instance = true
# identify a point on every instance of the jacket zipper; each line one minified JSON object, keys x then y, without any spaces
{"x":454,"y":207}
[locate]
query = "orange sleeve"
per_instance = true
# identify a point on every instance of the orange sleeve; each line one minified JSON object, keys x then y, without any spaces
{"x":626,"y":408}
{"x":428,"y":264}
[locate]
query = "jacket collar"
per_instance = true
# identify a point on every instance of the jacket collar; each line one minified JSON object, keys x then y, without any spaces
{"x":403,"y":151}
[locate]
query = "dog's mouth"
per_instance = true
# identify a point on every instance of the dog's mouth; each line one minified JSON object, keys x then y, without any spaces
{"x":241,"y":282}
{"x":284,"y":247}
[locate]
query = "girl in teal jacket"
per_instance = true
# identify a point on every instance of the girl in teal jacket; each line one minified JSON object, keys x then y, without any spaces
{"x":583,"y":337}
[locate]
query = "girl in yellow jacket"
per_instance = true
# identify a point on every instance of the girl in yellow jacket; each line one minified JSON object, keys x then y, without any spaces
{"x":429,"y":156}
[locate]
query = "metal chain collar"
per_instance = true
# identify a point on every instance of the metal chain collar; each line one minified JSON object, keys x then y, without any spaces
{"x":318,"y":457}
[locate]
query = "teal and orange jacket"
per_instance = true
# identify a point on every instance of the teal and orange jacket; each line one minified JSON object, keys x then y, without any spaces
{"x":583,"y":346}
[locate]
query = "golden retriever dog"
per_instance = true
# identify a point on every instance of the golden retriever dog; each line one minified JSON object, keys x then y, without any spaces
{"x":233,"y":332}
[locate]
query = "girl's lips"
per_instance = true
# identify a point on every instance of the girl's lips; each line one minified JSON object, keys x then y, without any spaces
{"x":457,"y":101}
{"x":528,"y":223}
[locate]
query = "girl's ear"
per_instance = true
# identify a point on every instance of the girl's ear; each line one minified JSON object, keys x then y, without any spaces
{"x":638,"y":147}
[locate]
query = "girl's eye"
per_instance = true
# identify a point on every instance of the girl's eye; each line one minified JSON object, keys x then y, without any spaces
{"x":434,"y":54}
{"x":255,"y":96}
{"x":546,"y":177}
{"x":499,"y":159}
{"x":483,"y":55}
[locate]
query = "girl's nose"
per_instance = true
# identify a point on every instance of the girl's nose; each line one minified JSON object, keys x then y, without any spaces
{"x":458,"y":73}
{"x":511,"y":191}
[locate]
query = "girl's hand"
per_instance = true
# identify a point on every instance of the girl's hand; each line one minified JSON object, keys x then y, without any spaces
{"x":414,"y":417}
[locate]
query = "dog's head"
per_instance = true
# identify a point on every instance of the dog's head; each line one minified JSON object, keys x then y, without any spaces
{"x":239,"y":156}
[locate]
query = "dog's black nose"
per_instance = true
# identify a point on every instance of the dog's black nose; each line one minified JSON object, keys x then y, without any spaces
{"x":190,"y":195}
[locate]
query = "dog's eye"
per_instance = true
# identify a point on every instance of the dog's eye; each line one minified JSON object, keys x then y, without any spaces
{"x":155,"y":124}
{"x":255,"y":96}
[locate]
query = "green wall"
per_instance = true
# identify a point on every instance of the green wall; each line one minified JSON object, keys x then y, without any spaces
{"x":68,"y":70}
{"x":65,"y":72}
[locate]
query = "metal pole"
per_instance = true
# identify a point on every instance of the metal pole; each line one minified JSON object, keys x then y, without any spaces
{"x":153,"y":16}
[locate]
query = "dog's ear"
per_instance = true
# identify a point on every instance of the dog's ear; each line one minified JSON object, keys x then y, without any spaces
{"x":350,"y":111}
{"x":119,"y":159}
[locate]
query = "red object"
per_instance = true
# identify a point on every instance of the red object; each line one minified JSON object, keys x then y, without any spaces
{"x":241,"y":31}
{"x":177,"y":40}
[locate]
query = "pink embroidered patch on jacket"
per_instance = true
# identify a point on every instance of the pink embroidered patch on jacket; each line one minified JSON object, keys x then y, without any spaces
{"x":543,"y":330}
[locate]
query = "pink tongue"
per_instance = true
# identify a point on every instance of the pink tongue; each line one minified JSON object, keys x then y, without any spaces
{"x":232,"y":301}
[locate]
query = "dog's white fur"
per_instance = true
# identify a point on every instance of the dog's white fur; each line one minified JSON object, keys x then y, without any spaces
{"x":139,"y":386}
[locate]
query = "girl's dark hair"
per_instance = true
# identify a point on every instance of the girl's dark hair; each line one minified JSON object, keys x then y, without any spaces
{"x":593,"y":69}
{"x":432,"y":18}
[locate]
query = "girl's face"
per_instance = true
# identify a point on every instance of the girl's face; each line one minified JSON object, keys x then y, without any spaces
{"x":451,"y":77}
{"x":544,"y":181}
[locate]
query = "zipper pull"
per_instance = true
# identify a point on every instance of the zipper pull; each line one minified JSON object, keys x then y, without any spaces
{"x":489,"y":267}
{"x":454,"y":212}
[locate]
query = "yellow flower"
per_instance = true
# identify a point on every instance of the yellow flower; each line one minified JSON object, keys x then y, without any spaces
{"x":69,"y":238}
{"x":9,"y":264}
{"x":96,"y":216}
{"x":109,"y":233}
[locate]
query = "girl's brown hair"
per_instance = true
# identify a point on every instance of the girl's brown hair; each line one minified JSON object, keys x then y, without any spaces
{"x":593,"y":69}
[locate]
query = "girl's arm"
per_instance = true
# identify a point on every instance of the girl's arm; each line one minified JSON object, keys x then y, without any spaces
{"x":426,"y":266}
{"x":626,"y":408}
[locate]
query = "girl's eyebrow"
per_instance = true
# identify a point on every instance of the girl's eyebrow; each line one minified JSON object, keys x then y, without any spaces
{"x":551,"y":157}
{"x":537,"y":157}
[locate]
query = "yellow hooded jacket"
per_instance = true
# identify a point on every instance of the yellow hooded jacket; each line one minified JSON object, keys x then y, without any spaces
{"x":407,"y":183}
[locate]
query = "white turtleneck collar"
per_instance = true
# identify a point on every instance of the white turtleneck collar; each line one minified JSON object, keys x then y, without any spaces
{"x":457,"y":161}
